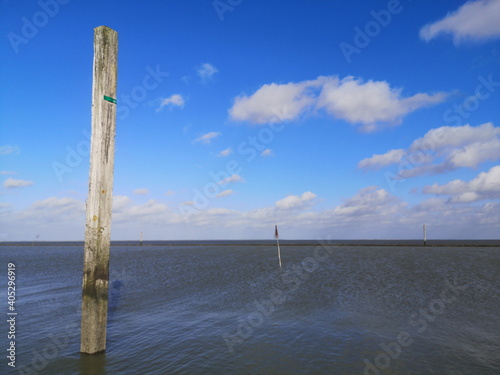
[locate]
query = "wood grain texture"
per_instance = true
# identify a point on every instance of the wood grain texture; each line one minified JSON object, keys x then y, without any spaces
{"x":99,"y":201}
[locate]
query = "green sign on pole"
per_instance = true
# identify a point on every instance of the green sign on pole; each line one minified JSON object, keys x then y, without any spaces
{"x":110,"y":99}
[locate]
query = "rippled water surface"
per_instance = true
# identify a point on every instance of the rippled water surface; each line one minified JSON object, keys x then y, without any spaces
{"x":229,"y":309}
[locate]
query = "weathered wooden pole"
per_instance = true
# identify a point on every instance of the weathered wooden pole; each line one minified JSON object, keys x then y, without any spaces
{"x":99,"y":201}
{"x":425,"y":236}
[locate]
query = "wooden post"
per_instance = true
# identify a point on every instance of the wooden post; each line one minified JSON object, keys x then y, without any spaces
{"x":425,"y":236}
{"x":99,"y":201}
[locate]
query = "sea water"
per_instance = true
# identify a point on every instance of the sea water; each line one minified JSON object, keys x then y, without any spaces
{"x":227,"y":308}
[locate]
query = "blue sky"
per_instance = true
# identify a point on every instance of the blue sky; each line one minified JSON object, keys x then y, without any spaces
{"x":332,"y":119}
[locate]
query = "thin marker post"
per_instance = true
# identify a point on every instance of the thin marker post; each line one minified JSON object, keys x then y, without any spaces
{"x":278,"y":243}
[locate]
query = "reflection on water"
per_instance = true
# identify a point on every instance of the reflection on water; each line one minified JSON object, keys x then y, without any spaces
{"x":92,"y":364}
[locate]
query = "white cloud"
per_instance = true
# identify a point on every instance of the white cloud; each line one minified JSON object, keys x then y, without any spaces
{"x":455,"y":136}
{"x":475,"y":20}
{"x":52,"y":210}
{"x":206,"y":71}
{"x":225,"y":153}
{"x":225,"y":193}
{"x":124,"y":210}
{"x":295,"y":201}
{"x":267,"y":152}
{"x":207,"y":138}
{"x":7,"y":149}
{"x":5,"y":211}
{"x":370,"y":104}
{"x":368,"y":203}
{"x":170,"y":193}
{"x":441,"y":150}
{"x":13,"y":183}
{"x":175,"y":100}
{"x":64,"y":204}
{"x":142,"y":191}
{"x":377,"y":161}
{"x":232,"y":178}
{"x":370,"y":213}
{"x":120,"y":202}
{"x":151,"y":207}
{"x":485,"y":186}
{"x":451,"y":148}
{"x":471,"y":155}
{"x":7,"y":172}
{"x":274,"y":103}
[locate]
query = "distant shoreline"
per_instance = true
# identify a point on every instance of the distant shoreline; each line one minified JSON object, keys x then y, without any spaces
{"x":263,"y":243}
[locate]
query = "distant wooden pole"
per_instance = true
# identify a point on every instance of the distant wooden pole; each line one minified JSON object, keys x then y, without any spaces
{"x":425,"y":236}
{"x":99,"y":201}
{"x":141,"y":238}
